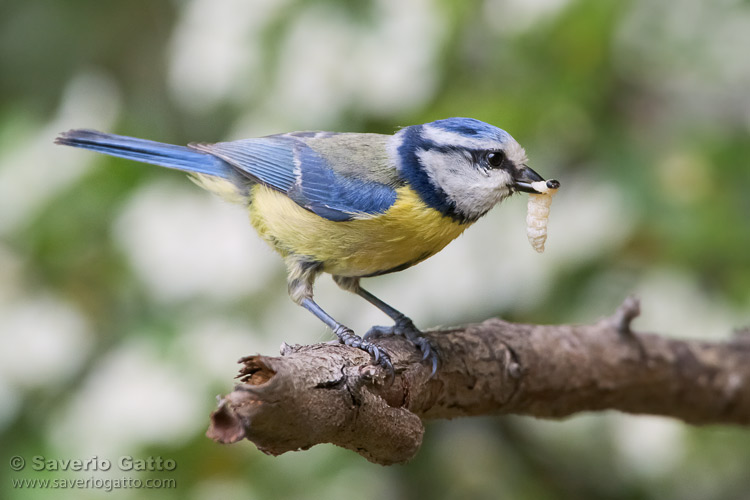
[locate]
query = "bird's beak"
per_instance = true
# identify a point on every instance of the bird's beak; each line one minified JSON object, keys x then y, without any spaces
{"x":524,"y":177}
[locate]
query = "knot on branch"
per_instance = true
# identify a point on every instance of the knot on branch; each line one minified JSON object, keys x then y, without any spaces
{"x":625,"y":314}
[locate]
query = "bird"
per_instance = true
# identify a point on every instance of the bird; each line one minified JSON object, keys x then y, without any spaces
{"x":352,"y":205}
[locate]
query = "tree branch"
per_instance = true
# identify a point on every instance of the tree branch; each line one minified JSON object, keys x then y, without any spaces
{"x":330,"y":393}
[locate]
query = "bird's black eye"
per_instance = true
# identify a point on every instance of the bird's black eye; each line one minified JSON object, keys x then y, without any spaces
{"x":496,"y":159}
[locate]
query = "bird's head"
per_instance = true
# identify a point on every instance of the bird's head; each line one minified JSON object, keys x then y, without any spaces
{"x":461,"y":166}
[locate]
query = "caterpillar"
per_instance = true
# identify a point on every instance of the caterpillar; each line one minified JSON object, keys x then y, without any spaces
{"x":537,"y":212}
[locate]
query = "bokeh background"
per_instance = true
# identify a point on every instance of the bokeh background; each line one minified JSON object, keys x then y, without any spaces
{"x":127,"y":293}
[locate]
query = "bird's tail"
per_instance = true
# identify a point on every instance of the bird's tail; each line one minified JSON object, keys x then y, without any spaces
{"x":156,"y":153}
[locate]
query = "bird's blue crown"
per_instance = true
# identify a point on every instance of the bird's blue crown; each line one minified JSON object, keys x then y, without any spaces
{"x":471,"y":128}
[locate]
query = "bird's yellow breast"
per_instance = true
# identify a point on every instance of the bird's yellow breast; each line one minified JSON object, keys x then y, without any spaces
{"x":407,"y":233}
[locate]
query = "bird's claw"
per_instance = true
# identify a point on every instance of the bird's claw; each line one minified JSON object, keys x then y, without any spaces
{"x":428,"y":352}
{"x":405,"y":327}
{"x":379,"y":356}
{"x":383,"y":359}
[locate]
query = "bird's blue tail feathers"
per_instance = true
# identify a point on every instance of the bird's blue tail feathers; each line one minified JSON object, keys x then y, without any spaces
{"x":156,"y":153}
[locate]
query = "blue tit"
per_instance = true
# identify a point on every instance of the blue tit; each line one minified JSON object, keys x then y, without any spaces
{"x":353,"y":205}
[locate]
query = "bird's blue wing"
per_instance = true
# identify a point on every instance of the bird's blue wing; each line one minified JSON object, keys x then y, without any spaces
{"x":269,"y":161}
{"x":287,"y":164}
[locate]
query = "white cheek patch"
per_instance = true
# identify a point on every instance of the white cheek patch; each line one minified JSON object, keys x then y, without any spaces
{"x":474,"y":191}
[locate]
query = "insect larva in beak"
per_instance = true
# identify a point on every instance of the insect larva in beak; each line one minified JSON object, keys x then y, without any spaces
{"x":537,"y":213}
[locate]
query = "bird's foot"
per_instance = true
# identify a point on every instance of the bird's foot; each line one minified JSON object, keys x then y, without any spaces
{"x":405,"y":327}
{"x":379,"y":356}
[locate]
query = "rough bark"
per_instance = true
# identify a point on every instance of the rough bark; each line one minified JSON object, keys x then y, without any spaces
{"x":329,"y":393}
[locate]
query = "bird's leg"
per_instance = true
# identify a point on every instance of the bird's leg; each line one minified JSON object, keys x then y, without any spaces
{"x":348,"y":337}
{"x":302,"y":274}
{"x":403,"y":325}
